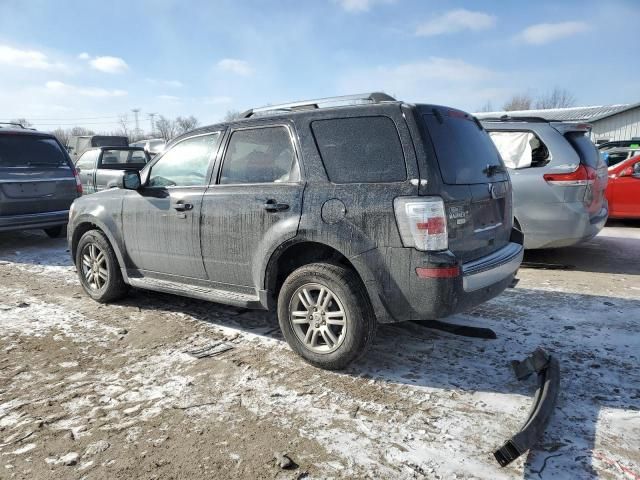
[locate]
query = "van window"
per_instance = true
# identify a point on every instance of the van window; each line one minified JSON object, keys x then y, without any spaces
{"x":260,"y":155}
{"x":465,"y":152}
{"x":520,"y":149}
{"x":30,"y":151}
{"x":585,"y":148}
{"x":360,"y":150}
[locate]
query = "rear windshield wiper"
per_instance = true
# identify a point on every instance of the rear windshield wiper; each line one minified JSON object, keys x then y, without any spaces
{"x":491,"y":170}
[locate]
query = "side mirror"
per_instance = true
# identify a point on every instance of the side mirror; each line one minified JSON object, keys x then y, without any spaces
{"x":130,"y":180}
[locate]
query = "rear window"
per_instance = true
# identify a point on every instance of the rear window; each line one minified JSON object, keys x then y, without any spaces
{"x":465,"y":151}
{"x":360,"y":150}
{"x":30,"y":151}
{"x":109,"y":142}
{"x":122,"y":158}
{"x":584,"y":146}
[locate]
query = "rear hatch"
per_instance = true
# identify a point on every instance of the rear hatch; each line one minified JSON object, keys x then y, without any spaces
{"x":591,"y":188}
{"x":476,"y":187}
{"x":35,"y":175}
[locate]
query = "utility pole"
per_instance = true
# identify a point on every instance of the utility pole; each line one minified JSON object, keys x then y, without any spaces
{"x":136,"y":111}
{"x":153,"y":124}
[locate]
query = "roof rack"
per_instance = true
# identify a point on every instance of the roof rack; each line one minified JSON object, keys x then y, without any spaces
{"x":15,"y":124}
{"x":363,"y":98}
{"x":508,"y":118}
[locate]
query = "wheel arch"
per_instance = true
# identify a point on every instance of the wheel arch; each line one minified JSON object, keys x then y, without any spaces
{"x":82,"y":226}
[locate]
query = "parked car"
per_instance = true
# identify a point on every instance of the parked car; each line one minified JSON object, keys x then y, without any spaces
{"x":337,"y":216}
{"x":152,"y":146}
{"x":633,"y":143}
{"x":100,"y":168}
{"x":558,"y":179}
{"x":616,"y":155}
{"x":623,"y":191}
{"x":37,"y":181}
{"x":78,"y":144}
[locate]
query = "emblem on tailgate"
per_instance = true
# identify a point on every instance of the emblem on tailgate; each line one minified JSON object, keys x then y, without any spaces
{"x":458,"y":214}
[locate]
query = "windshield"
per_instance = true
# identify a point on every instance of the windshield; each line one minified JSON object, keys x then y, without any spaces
{"x":465,"y":151}
{"x":30,"y":150}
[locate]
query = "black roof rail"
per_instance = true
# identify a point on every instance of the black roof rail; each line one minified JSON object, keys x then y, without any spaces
{"x":363,"y":98}
{"x":508,"y":118}
{"x":16,"y":124}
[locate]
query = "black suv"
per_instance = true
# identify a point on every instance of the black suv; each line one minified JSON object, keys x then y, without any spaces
{"x":338,"y":213}
{"x":37,"y":181}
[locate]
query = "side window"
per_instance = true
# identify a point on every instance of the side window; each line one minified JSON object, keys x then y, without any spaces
{"x":185,"y":164}
{"x":260,"y":155}
{"x":88,"y":160}
{"x":520,"y":149}
{"x":360,"y":150}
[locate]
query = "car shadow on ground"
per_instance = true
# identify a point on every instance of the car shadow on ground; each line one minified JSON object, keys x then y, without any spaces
{"x":594,"y":337}
{"x":34,"y":247}
{"x":615,"y":250}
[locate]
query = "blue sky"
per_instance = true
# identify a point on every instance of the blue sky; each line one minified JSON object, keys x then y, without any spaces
{"x":69,"y":62}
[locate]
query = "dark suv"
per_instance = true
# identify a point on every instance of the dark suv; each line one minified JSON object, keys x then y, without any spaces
{"x":339,"y":214}
{"x":37,"y":181}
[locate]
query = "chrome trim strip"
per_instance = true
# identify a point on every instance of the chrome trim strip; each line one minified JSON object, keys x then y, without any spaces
{"x":492,"y":268}
{"x":486,"y":229}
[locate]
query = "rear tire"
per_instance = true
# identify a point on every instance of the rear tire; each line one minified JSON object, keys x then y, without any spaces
{"x":98,"y":268}
{"x":325,"y":315}
{"x":54,"y":232}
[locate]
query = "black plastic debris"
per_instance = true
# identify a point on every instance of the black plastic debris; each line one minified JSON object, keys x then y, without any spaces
{"x":547,"y":368}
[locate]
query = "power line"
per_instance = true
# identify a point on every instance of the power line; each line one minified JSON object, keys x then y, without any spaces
{"x":69,"y":119}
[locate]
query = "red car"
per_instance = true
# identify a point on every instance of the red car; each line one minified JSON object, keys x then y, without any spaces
{"x":623,"y":190}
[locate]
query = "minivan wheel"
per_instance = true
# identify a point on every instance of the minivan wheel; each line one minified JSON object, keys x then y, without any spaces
{"x":98,"y":268}
{"x":325,"y":315}
{"x":54,"y":232}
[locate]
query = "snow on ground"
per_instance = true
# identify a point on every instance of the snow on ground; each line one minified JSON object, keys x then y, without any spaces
{"x":422,"y":403}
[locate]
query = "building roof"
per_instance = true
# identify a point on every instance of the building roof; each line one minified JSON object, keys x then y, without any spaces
{"x":581,"y":114}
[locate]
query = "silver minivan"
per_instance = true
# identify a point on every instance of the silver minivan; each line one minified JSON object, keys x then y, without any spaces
{"x":558,"y":178}
{"x":38,"y":183}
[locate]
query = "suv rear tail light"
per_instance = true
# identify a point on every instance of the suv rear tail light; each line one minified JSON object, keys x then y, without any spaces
{"x":78,"y":182}
{"x":422,"y":222}
{"x":583,"y":175}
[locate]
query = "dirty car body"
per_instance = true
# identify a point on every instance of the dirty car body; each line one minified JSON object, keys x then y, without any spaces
{"x":377,"y":212}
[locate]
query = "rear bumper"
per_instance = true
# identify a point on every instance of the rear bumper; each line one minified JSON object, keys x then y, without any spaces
{"x":399,"y":294}
{"x":560,"y":224}
{"x":33,"y":220}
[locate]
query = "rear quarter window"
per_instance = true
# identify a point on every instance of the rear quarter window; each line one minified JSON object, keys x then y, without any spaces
{"x":360,"y":149}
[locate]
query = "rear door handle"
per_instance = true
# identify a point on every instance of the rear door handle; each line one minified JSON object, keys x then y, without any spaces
{"x":272,"y":206}
{"x":181,"y":206}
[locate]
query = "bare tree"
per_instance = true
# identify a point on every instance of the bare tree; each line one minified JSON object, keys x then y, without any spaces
{"x":123,"y":121}
{"x":232,"y":115}
{"x":556,"y":98}
{"x":520,"y":101}
{"x":487,"y":107}
{"x":62,"y":135}
{"x":166,"y":128}
{"x":78,"y":131}
{"x":22,"y":121}
{"x":186,"y":124}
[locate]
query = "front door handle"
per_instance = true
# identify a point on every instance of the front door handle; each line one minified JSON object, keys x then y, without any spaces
{"x":272,"y":206}
{"x":181,"y":206}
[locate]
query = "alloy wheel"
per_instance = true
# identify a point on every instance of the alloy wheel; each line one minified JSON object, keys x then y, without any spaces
{"x":94,"y":266}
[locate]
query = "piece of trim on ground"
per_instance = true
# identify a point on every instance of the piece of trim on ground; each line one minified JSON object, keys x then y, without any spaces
{"x":548,"y":369}
{"x":462,"y":330}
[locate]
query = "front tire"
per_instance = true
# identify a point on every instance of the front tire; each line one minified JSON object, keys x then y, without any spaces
{"x":325,"y":315}
{"x":98,"y":268}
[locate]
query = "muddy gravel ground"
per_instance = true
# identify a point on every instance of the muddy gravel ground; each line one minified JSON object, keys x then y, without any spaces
{"x":118,"y":391}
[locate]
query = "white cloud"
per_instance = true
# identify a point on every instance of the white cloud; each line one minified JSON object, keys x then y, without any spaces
{"x":61,"y":88}
{"x":165,"y":83}
{"x":239,"y":67}
{"x":169,"y":98}
{"x":84,"y":56}
{"x":542,"y":33}
{"x":109,"y":64}
{"x":456,"y":21}
{"x":33,"y":59}
{"x":356,"y":6}
{"x":217,"y":100}
{"x":447,"y":81}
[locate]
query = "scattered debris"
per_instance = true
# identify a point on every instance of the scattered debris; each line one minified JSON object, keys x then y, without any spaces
{"x":284,"y":461}
{"x":97,"y":447}
{"x":462,"y":330}
{"x":210,"y":350}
